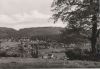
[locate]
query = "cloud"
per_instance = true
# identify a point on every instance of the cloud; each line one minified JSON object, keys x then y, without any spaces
{"x":25,"y":13}
{"x":30,"y":16}
{"x":37,"y":14}
{"x":22,"y":17}
{"x":27,"y":19}
{"x":20,"y":6}
{"x":6,"y":19}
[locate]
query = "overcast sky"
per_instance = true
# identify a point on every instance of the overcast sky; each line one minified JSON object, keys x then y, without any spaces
{"x":25,"y":13}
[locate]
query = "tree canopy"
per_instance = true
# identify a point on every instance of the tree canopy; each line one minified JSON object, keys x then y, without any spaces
{"x":80,"y":15}
{"x":76,"y":13}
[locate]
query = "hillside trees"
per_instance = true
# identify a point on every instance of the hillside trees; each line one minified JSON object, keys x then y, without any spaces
{"x":80,"y":16}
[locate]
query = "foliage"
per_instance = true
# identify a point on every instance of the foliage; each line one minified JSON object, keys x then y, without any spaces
{"x":73,"y":53}
{"x":76,"y":13}
{"x":41,"y":33}
{"x":9,"y":52}
{"x":80,"y":16}
{"x":70,"y":36}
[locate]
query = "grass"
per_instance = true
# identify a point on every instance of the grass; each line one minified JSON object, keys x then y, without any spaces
{"x":25,"y":63}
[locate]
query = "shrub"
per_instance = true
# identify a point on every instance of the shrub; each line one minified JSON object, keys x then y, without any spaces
{"x":73,"y":53}
{"x":3,"y":54}
{"x":77,"y":53}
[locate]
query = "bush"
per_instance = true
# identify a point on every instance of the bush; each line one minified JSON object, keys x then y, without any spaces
{"x":3,"y":54}
{"x":73,"y":53}
{"x":79,"y":54}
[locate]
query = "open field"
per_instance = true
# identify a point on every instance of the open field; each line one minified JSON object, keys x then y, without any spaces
{"x":29,"y":63}
{"x":25,"y":63}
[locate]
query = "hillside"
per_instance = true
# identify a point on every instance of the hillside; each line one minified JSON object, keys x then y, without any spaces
{"x":40,"y":31}
{"x":9,"y":32}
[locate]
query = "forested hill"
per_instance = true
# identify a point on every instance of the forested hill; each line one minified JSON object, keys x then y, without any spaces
{"x":9,"y":32}
{"x":40,"y":31}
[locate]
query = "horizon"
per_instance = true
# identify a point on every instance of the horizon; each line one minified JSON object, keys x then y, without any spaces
{"x":34,"y":27}
{"x":19,"y":14}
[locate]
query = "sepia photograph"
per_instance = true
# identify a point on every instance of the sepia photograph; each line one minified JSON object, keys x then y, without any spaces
{"x":54,"y":34}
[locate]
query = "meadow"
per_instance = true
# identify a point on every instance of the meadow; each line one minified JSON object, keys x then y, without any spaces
{"x":24,"y":63}
{"x":29,"y":62}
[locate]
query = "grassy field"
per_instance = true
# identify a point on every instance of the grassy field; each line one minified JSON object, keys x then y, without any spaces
{"x":30,"y":63}
{"x":26,"y":63}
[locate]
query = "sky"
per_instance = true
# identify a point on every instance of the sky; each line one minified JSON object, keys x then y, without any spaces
{"x":26,"y":13}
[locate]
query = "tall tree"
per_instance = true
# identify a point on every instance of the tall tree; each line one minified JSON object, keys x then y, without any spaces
{"x":80,"y":15}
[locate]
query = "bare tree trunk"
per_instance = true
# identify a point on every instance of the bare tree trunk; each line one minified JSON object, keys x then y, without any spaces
{"x":94,"y":29}
{"x":94,"y":35}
